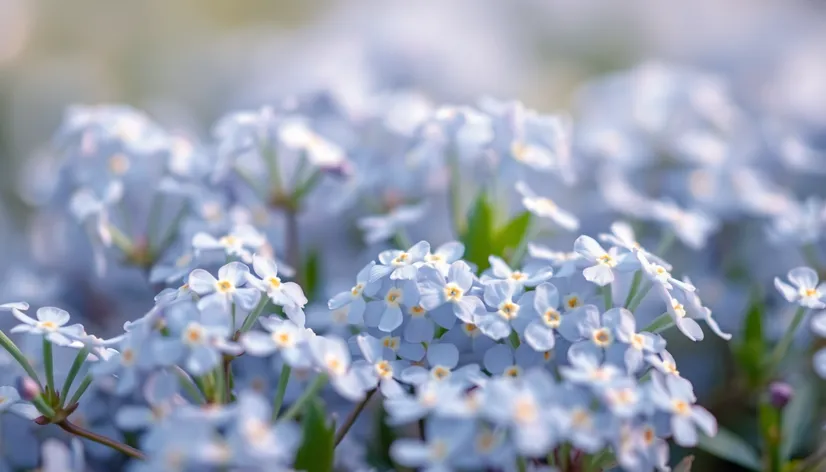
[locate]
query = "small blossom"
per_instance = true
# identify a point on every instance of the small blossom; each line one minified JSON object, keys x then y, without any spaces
{"x":803,"y":288}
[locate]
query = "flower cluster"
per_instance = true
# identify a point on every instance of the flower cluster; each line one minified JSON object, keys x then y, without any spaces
{"x":515,"y":341}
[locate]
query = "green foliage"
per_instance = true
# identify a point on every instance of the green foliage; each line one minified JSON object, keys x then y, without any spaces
{"x":317,"y":449}
{"x":798,"y":417}
{"x":378,"y":449}
{"x":751,"y":352}
{"x":483,"y":237}
{"x":730,"y":447}
{"x":310,"y":274}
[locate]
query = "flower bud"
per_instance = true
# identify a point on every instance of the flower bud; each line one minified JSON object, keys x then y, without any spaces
{"x":780,"y":394}
{"x":27,"y":388}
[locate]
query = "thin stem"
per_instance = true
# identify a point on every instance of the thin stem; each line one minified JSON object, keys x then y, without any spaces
{"x":255,"y":313}
{"x":154,"y":218}
{"x":788,"y":337}
{"x":608,"y":297}
{"x":42,"y":406}
{"x":283,"y":380}
{"x":520,"y":250}
{"x":119,"y":239}
{"x":72,"y":428}
{"x":521,"y":464}
{"x":220,"y":385}
{"x":233,"y":317}
{"x":351,"y":418}
{"x":70,"y":378}
{"x":401,"y":239}
{"x":188,"y":384}
{"x":635,"y":303}
{"x":80,"y":390}
{"x":293,"y":257}
{"x":48,"y":364}
{"x":666,"y":241}
{"x":21,"y":359}
{"x":309,"y":393}
{"x":635,"y":285}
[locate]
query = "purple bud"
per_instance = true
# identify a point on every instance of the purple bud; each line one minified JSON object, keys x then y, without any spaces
{"x":780,"y":394}
{"x":27,"y":388}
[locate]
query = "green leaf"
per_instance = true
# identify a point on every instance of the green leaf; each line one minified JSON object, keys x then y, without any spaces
{"x":310,"y":275}
{"x":661,"y":323}
{"x":479,"y":237}
{"x":751,"y":352}
{"x":317,"y":449}
{"x":797,"y":417}
{"x":378,"y":449}
{"x":726,"y":445}
{"x":510,"y":236}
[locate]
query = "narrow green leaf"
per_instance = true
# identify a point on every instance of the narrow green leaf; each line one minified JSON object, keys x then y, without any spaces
{"x":479,"y":236}
{"x":751,"y":352}
{"x":797,"y":417}
{"x":378,"y":449}
{"x":511,"y":235}
{"x":317,"y":449}
{"x":726,"y":445}
{"x":310,"y":275}
{"x":659,"y":324}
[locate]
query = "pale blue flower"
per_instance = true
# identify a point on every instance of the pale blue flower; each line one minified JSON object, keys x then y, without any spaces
{"x":632,"y":347}
{"x":503,"y":360}
{"x":354,"y":298}
{"x":447,"y":441}
{"x":586,"y":369}
{"x":576,"y":420}
{"x":227,"y":289}
{"x":674,"y":396}
{"x":804,"y":289}
{"x":403,"y":409}
{"x":660,"y":276}
{"x":255,"y":440}
{"x":50,"y":323}
{"x":564,"y":264}
{"x":692,"y":227}
{"x":445,"y":255}
{"x":546,"y":208}
{"x":529,"y":276}
{"x":604,"y":264}
{"x":332,"y":357}
{"x":690,"y":328}
{"x":241,"y":242}
{"x":521,"y":409}
{"x":443,"y":361}
{"x":622,"y":236}
{"x":546,"y":320}
{"x":387,"y":314}
{"x":509,"y":315}
{"x":379,"y":367}
{"x":285,"y":294}
{"x":399,"y":265}
{"x":695,"y":309}
{"x":378,"y":228}
{"x":436,"y":290}
{"x":283,"y":336}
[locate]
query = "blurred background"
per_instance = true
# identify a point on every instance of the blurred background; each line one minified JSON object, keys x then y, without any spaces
{"x":188,"y":62}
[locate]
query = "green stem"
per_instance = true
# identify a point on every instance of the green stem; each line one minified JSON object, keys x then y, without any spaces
{"x":283,"y":380}
{"x":660,"y":323}
{"x":351,"y":418}
{"x":43,"y":407}
{"x":519,"y":253}
{"x":401,"y":240}
{"x":80,"y":390}
{"x":220,"y":385}
{"x":786,"y":341}
{"x":189,"y":385}
{"x":70,"y":378}
{"x":71,"y":428}
{"x":635,"y":303}
{"x":21,"y":359}
{"x":309,"y":394}
{"x":521,"y":465}
{"x":255,"y":313}
{"x":120,"y":240}
{"x":608,"y":297}
{"x":666,"y":241}
{"x":48,"y":364}
{"x":635,"y":285}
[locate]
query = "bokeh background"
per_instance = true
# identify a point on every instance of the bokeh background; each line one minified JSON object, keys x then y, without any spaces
{"x":187,"y":62}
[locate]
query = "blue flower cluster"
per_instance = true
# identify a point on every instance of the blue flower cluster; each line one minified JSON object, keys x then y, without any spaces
{"x":490,"y":350}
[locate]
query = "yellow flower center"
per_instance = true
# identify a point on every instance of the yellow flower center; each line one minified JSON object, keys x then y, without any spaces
{"x":224,"y":286}
{"x":607,"y":260}
{"x":681,"y":408}
{"x":417,"y":311}
{"x":453,"y":293}
{"x":470,"y":329}
{"x":283,"y":339}
{"x":334,"y":365}
{"x":401,"y":259}
{"x":440,"y":372}
{"x":356,"y":290}
{"x":670,"y":368}
{"x":602,"y":337}
{"x":648,"y":435}
{"x":517,"y":276}
{"x":47,"y":325}
{"x":485,"y":441}
{"x":127,"y":357}
{"x":580,"y":418}
{"x":678,"y":307}
{"x":552,"y":318}
{"x":384,"y":369}
{"x":391,"y":343}
{"x":274,"y":282}
{"x":572,"y":301}
{"x":394,"y":297}
{"x":809,"y":293}
{"x":229,"y":241}
{"x":512,"y":371}
{"x":508,"y":310}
